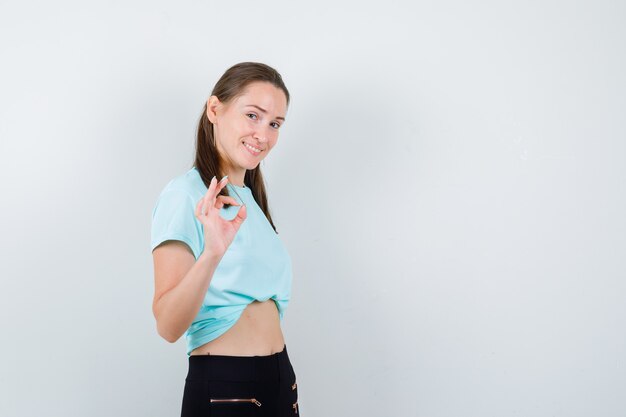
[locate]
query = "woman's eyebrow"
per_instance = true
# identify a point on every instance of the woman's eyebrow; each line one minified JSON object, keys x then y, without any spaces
{"x":263,"y":110}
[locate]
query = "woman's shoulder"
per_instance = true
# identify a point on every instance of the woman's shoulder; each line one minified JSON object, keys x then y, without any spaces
{"x":188,"y":182}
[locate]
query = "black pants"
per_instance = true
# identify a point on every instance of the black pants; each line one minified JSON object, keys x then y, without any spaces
{"x":220,"y":386}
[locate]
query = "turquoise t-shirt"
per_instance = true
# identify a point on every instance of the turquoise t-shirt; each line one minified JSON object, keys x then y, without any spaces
{"x":256,"y":265}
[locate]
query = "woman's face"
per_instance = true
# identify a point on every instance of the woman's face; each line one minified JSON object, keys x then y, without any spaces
{"x":251,"y":120}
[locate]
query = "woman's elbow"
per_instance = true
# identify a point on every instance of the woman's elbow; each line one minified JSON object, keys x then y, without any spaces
{"x":167,"y":334}
{"x":164,"y":331}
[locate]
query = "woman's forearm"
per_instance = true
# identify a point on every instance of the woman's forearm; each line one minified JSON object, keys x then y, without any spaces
{"x":177,"y":308}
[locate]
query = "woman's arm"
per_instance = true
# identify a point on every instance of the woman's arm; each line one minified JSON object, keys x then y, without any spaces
{"x":181,"y":283}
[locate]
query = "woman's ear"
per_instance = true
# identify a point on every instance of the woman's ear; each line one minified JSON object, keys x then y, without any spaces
{"x":212,"y":106}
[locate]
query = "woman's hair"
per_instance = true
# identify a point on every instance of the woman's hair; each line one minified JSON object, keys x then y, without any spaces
{"x":230,"y":86}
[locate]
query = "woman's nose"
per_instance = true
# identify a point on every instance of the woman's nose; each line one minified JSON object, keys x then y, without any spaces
{"x":261,"y":135}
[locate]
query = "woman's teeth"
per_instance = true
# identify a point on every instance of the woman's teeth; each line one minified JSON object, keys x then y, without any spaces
{"x":255,"y":150}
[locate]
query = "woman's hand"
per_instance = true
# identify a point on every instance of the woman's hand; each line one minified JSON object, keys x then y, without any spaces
{"x":218,"y":232}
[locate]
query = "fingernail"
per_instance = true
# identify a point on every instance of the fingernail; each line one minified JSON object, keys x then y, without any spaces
{"x":213,"y":178}
{"x":226,"y":176}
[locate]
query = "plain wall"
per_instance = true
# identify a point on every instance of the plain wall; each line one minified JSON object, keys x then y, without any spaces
{"x":450,"y":184}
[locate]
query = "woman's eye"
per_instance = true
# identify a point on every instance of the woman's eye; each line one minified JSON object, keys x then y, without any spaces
{"x":276,"y":125}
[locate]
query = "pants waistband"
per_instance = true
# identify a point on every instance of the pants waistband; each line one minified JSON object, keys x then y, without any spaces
{"x":239,"y":368}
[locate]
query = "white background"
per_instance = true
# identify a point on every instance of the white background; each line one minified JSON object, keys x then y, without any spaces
{"x":450,"y":184}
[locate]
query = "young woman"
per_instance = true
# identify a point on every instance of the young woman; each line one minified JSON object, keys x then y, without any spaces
{"x":222,"y":275}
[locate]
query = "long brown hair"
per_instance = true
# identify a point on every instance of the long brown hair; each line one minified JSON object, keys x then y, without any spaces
{"x":231,"y":85}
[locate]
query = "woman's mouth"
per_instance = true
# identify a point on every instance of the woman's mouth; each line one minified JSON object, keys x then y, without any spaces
{"x":254,"y":151}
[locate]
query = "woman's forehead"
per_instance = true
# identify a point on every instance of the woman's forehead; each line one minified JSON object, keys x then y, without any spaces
{"x":271,"y":99}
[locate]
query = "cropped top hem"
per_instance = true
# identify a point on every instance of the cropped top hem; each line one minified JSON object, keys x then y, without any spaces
{"x":199,"y":336}
{"x":193,"y":343}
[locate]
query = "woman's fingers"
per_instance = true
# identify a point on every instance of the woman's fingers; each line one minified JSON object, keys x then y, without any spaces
{"x":241,"y":215}
{"x":221,"y":184}
{"x":208,"y":196}
{"x":224,"y":199}
{"x":212,"y":192}
{"x":210,"y":199}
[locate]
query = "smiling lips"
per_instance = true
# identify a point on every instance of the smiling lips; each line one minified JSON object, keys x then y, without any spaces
{"x":254,"y":151}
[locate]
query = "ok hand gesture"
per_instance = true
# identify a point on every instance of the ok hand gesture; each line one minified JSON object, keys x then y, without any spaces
{"x":218,"y":232}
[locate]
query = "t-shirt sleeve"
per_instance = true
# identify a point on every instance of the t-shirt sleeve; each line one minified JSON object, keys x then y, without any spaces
{"x":173,"y":218}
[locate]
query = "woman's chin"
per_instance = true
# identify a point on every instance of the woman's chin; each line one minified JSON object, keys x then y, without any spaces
{"x":254,"y":163}
{"x":250,"y":166}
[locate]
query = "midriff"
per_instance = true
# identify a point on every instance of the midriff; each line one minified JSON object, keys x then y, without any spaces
{"x":256,"y":333}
